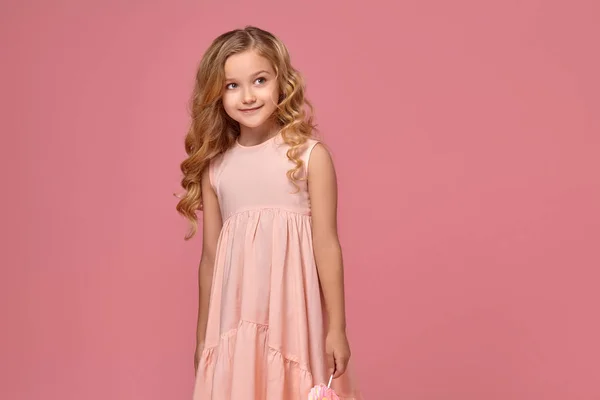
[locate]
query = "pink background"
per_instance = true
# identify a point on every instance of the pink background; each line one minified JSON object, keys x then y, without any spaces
{"x":466,"y":137}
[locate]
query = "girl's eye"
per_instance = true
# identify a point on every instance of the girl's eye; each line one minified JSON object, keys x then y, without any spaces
{"x":231,"y":86}
{"x":260,"y":81}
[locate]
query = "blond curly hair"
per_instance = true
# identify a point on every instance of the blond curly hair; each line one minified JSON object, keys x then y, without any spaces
{"x":212,"y":131}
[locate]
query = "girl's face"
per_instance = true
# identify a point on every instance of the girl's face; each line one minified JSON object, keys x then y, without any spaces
{"x":251,"y":90}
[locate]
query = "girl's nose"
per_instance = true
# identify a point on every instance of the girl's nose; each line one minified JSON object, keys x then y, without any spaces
{"x":248,"y":97}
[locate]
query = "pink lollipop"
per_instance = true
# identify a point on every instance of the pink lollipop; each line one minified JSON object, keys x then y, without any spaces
{"x":322,"y":392}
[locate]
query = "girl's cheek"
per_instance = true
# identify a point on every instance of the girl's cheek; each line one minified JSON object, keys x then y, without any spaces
{"x":228,"y":99}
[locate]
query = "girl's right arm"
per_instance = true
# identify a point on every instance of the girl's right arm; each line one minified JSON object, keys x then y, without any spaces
{"x":211,"y":229}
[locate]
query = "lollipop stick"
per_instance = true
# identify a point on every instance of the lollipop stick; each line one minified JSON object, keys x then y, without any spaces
{"x":330,"y":378}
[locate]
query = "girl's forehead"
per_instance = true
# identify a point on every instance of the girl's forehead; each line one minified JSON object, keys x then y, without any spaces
{"x":245,"y":64}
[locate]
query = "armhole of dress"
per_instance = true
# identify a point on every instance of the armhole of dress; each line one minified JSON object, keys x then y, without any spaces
{"x":211,"y":175}
{"x":215,"y":168}
{"x":312,"y":144}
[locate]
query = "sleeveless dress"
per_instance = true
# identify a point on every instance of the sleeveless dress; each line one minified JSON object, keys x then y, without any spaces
{"x":265,"y":336}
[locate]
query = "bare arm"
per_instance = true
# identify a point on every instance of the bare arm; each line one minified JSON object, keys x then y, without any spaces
{"x":322,"y":187}
{"x":211,"y":229}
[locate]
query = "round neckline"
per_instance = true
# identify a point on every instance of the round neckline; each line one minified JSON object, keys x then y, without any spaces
{"x":256,"y":146}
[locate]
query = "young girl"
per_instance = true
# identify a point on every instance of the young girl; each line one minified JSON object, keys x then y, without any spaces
{"x":271,"y":318}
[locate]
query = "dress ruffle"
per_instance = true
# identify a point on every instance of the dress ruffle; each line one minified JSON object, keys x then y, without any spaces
{"x":225,"y":372}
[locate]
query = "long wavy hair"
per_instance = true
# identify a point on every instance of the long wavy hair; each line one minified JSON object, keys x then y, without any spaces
{"x":213,"y":132}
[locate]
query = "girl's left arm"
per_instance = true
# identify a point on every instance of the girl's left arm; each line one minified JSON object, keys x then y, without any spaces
{"x":322,"y":188}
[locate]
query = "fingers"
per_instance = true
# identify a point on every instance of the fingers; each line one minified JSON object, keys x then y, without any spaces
{"x":341,"y":363}
{"x":330,"y":364}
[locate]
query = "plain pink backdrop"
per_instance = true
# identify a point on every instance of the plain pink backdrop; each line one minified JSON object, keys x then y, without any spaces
{"x":466,"y":137}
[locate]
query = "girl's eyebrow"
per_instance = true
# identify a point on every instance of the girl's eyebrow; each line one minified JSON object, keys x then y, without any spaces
{"x":253,"y":75}
{"x":260,"y":72}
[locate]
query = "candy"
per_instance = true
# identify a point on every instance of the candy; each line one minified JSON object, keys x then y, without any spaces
{"x":322,"y":392}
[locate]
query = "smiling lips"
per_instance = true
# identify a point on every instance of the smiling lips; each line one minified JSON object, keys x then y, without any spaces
{"x":250,"y":110}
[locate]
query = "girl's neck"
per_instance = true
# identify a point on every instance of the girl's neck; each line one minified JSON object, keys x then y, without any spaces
{"x":258,"y":135}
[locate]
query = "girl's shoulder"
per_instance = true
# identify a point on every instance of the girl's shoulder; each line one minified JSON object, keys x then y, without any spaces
{"x":307,"y":148}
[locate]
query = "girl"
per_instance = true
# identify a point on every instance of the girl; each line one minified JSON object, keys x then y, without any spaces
{"x":270,"y":252}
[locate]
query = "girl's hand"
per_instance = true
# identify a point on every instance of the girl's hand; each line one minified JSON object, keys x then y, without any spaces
{"x":338,"y":352}
{"x":198,"y":353}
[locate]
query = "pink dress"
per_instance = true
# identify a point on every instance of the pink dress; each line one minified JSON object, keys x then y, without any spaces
{"x":265,"y":334}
